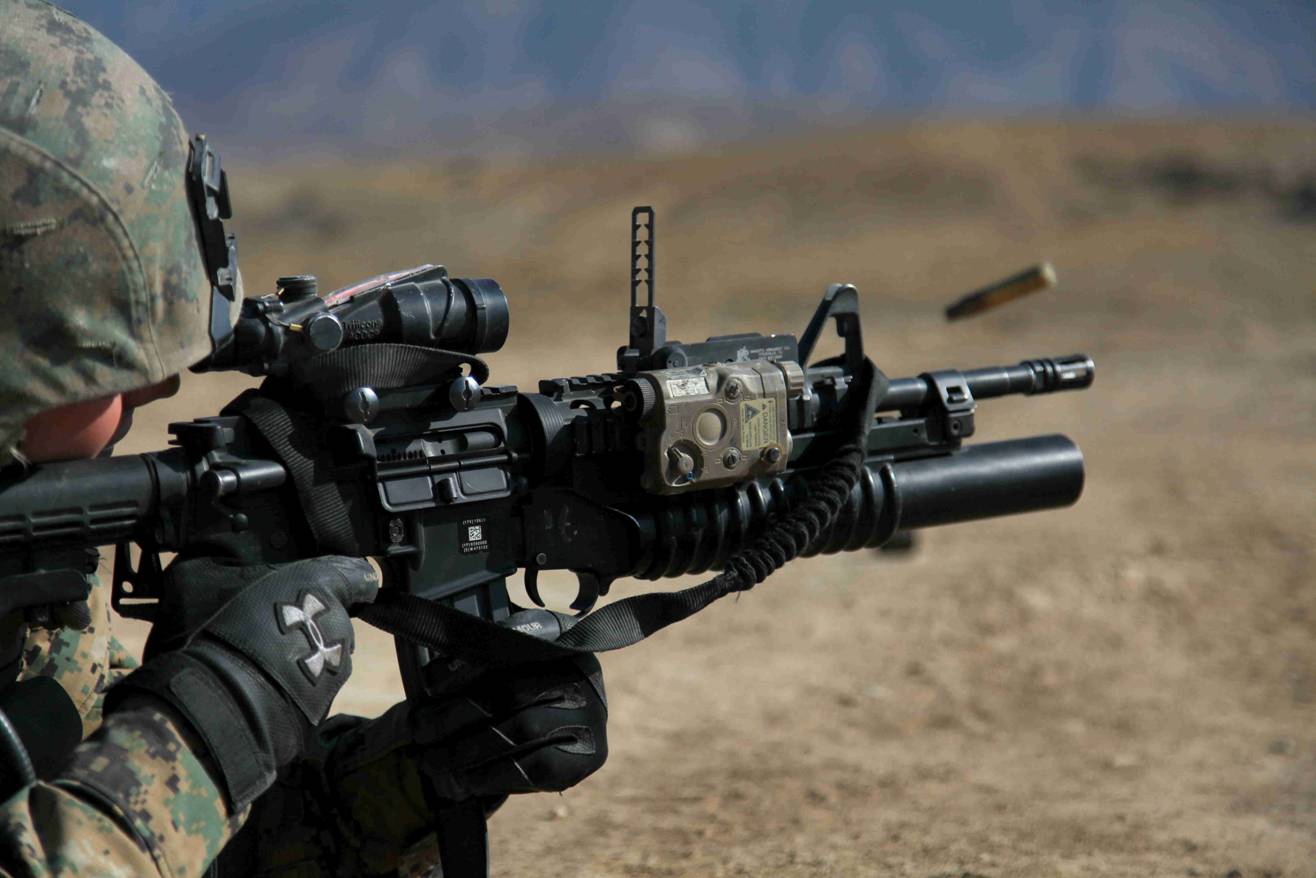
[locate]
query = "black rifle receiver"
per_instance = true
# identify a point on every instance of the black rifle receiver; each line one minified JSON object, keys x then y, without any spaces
{"x":377,"y":433}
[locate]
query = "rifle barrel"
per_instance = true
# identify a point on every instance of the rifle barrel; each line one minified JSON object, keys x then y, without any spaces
{"x":1047,"y":375}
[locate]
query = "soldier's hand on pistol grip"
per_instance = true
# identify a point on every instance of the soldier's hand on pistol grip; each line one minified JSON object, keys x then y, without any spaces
{"x":526,"y":729}
{"x":256,"y":673}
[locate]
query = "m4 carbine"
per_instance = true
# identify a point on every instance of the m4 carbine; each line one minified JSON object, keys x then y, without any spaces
{"x":378,"y":434}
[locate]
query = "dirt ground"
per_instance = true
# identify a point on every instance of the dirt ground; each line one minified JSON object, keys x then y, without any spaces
{"x":1123,"y":688}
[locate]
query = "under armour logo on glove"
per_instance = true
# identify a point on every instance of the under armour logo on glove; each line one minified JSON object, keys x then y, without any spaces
{"x":291,"y":615}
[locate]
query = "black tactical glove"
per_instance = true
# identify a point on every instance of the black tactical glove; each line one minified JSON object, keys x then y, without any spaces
{"x":357,"y":800}
{"x":253,"y":676}
{"x":527,"y":729}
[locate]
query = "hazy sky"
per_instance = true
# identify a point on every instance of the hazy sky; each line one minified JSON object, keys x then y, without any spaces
{"x":366,"y":73}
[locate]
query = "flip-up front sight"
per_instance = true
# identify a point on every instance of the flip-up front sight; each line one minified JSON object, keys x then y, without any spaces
{"x":648,"y":323}
{"x":648,"y":347}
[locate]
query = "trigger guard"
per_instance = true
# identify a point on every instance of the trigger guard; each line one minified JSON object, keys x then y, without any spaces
{"x":589,"y":586}
{"x":532,"y":586}
{"x":588,"y":589}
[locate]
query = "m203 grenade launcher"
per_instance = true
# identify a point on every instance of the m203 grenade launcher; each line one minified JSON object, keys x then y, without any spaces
{"x":377,"y":433}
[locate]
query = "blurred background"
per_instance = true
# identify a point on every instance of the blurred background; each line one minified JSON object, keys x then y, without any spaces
{"x":538,"y":77}
{"x":1127,"y":687}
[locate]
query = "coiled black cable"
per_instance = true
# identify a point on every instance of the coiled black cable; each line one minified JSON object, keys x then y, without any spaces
{"x":791,"y":535}
{"x":16,"y":770}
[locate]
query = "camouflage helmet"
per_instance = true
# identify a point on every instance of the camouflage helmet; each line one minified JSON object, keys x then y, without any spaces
{"x":103,"y":282}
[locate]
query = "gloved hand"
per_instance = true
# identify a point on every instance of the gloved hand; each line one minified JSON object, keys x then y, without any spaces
{"x":526,"y":729}
{"x":254,"y":674}
{"x":357,"y":799}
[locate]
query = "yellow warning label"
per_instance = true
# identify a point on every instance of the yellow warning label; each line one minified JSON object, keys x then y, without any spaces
{"x":758,"y":423}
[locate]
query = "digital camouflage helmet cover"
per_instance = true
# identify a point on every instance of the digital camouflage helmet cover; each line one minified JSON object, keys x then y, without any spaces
{"x":104,"y":286}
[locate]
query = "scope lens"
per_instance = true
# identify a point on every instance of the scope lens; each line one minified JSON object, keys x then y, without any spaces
{"x":487,"y":316}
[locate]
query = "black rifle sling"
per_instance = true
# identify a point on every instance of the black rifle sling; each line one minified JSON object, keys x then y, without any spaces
{"x":299,"y":445}
{"x":296,"y":440}
{"x":379,"y":366}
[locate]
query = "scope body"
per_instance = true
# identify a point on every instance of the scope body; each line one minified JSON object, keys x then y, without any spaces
{"x":419,"y":306}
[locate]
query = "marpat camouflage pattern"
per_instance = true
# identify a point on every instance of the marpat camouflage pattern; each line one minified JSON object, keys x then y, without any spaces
{"x":140,"y":766}
{"x":85,"y":662}
{"x":101,"y":278}
{"x":105,"y":290}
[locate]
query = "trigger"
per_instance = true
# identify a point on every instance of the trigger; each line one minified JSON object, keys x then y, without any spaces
{"x":532,"y":585}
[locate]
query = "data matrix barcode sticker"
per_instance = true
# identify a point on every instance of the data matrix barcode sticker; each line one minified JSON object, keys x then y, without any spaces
{"x":474,"y":534}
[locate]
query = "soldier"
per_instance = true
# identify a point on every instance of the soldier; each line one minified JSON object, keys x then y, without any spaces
{"x":107,"y":296}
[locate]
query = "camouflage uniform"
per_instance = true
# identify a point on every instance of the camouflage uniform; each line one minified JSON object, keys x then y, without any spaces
{"x":169,"y":814}
{"x":85,"y":662}
{"x":104,"y":291}
{"x":360,"y":812}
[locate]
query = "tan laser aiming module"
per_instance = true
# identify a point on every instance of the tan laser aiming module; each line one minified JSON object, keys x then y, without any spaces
{"x":712,"y":425}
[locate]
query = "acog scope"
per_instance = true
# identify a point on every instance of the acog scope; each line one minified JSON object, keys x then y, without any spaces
{"x":420,"y":306}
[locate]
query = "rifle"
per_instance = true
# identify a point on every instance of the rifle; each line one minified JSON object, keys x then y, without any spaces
{"x":377,"y":433}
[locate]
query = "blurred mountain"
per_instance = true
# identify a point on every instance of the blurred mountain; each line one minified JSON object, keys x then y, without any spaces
{"x":538,"y":76}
